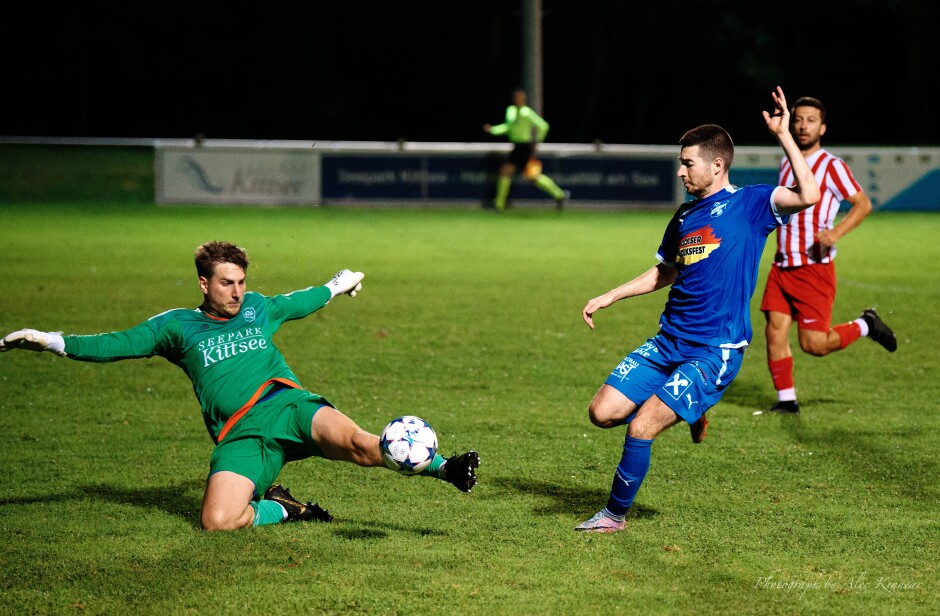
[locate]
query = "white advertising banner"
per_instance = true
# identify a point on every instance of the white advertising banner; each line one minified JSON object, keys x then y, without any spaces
{"x":236,"y":176}
{"x":893,"y":178}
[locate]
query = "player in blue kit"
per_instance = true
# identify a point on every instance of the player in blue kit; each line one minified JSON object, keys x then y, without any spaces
{"x":709,"y":256}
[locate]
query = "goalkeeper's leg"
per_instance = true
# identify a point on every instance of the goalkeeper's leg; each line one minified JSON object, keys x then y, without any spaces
{"x":226,"y":505}
{"x":339,"y":438}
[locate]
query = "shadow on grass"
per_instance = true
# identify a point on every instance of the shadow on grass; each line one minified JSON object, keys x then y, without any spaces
{"x":865,"y":452}
{"x":174,"y":500}
{"x":171,"y":499}
{"x":359,"y":534}
{"x":874,"y":454}
{"x":758,"y":395}
{"x":380,"y":530}
{"x":569,"y":499}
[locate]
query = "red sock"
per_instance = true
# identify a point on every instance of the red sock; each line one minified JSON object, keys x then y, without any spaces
{"x":781,"y":371}
{"x":848,"y":333}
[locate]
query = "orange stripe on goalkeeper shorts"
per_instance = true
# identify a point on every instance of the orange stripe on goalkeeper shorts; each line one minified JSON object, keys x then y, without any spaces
{"x":247,"y":406}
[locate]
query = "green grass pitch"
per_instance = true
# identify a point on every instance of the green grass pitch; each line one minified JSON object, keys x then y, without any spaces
{"x":471,"y":321}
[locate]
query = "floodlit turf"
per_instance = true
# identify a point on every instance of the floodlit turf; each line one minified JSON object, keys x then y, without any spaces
{"x":471,"y":321}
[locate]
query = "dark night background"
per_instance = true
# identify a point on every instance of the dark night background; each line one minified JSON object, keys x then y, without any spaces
{"x":620,"y":72}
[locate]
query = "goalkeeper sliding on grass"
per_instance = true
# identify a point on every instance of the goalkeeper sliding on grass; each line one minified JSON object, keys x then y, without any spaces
{"x":254,"y":407}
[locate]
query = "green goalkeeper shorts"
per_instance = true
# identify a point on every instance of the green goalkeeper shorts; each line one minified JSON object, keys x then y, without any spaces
{"x":270,"y":435}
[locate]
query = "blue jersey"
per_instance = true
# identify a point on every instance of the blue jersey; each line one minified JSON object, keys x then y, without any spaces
{"x":716,"y":243}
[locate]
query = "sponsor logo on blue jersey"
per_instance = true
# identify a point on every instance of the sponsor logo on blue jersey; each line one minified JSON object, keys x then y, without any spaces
{"x":677,"y":385}
{"x":622,"y":371}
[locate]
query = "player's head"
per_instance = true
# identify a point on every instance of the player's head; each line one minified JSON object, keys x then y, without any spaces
{"x":809,"y":101}
{"x":210,"y":254}
{"x":704,"y":159}
{"x":808,"y":122}
{"x":519,"y":97}
{"x":222,"y":269}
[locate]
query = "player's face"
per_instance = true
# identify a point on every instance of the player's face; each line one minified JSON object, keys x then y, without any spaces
{"x":697,"y":174}
{"x":519,"y":98}
{"x":224,"y":292}
{"x":807,"y":127}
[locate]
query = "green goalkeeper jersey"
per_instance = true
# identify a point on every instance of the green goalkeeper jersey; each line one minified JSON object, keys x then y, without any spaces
{"x":229,"y":361}
{"x":522,"y":125}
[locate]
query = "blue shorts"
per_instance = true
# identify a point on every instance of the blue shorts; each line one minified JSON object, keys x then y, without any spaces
{"x":688,"y":378}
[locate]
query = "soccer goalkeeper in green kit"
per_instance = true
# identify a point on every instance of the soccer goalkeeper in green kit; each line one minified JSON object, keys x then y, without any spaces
{"x":524,"y":129}
{"x":253,"y":405}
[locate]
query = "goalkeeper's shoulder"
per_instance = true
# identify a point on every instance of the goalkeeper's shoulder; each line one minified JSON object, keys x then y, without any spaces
{"x":175,"y":314}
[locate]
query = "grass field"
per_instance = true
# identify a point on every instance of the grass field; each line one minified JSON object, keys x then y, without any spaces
{"x":471,"y":321}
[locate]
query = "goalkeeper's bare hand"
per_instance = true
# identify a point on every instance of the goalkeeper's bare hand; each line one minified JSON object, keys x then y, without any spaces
{"x":34,"y":340}
{"x":346,"y":281}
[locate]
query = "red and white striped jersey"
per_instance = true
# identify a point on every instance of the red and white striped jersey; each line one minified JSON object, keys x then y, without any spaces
{"x":796,"y":243}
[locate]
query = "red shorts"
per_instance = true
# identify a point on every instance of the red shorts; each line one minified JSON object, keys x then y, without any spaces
{"x":806,"y":293}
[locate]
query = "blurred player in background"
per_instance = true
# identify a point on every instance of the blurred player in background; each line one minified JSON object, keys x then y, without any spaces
{"x":525,"y":129}
{"x":802,"y":282}
{"x":709,"y":257}
{"x":253,"y":406}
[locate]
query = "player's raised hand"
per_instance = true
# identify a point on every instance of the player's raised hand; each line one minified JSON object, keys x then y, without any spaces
{"x":779,"y":121}
{"x":346,"y":281}
{"x":33,"y":340}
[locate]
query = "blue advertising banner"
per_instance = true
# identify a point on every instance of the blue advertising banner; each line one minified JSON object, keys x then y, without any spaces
{"x":354,"y":177}
{"x":403,"y":174}
{"x":746,"y":177}
{"x":471,"y":178}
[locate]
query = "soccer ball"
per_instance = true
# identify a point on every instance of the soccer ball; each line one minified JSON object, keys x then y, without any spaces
{"x":408,"y":444}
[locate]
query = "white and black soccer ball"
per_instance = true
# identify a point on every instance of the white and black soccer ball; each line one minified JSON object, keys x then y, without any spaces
{"x":408,"y":444}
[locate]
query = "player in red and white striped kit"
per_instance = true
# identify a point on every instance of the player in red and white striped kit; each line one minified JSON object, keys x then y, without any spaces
{"x":802,"y":282}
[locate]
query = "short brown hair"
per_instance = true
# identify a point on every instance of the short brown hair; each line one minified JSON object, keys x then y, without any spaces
{"x":210,"y":254}
{"x":809,"y":101}
{"x":714,"y":141}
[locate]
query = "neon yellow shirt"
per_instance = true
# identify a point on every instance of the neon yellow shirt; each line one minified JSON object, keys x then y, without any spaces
{"x":522,"y":125}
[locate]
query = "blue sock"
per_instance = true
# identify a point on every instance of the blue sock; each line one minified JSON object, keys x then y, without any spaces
{"x":631,"y":471}
{"x":268,"y":512}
